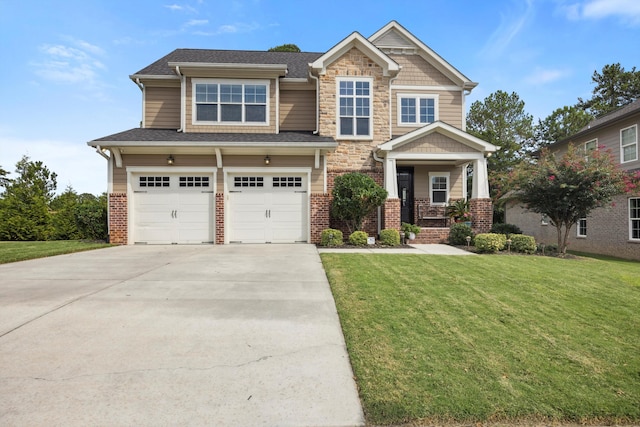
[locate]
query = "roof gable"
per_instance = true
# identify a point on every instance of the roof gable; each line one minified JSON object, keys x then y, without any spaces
{"x":394,"y":37}
{"x":356,"y":40}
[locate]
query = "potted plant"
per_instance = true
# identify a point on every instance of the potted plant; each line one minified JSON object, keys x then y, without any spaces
{"x":458,"y":210}
{"x":410,"y":230}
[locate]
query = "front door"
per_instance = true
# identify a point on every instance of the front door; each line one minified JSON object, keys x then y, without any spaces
{"x":405,"y":193}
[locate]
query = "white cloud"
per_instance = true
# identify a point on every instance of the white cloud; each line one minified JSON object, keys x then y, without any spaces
{"x":180,"y":8}
{"x":628,"y":11}
{"x":230,"y":29}
{"x":510,"y":26}
{"x":62,"y":63}
{"x":542,"y":76}
{"x":196,"y":22}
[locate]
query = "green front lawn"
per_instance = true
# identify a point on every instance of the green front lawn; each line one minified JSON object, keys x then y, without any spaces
{"x":20,"y":251}
{"x":491,"y":338}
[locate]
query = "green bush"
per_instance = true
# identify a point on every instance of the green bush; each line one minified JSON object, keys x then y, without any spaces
{"x":390,"y":237}
{"x":458,"y":234}
{"x":490,"y":242}
{"x":523,"y":243}
{"x":410,"y":228}
{"x":507,"y":229}
{"x":551,"y":248}
{"x":358,"y":238}
{"x":331,"y":237}
{"x":355,"y":195}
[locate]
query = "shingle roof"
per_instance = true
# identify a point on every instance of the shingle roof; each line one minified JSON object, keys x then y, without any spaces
{"x":297,"y":62}
{"x":618,"y":114}
{"x":170,"y":135}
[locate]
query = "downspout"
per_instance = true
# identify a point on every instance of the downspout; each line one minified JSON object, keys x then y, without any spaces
{"x":183,"y":95}
{"x":465,"y":93}
{"x":102,"y":153}
{"x":315,"y":132}
{"x":141,"y":86}
{"x":391,"y":80}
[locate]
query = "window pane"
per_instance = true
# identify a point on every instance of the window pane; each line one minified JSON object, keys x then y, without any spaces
{"x":362,"y":126}
{"x":255,"y":94}
{"x":439,"y":197}
{"x":231,"y":113}
{"x":362,"y":107}
{"x":362,"y":88}
{"x":408,"y":110}
{"x":256,"y":113}
{"x":346,"y":106}
{"x":231,"y":93}
{"x":427,"y":110}
{"x":346,"y":126}
{"x":629,"y":153}
{"x":206,"y":93}
{"x":207,"y":112}
{"x":628,"y":136}
{"x":346,"y":88}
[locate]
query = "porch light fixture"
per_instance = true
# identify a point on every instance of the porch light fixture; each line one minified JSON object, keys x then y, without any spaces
{"x":170,"y":160}
{"x":267,"y":160}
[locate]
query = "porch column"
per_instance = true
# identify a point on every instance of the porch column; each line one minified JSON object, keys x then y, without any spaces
{"x":390,"y":178}
{"x":480,"y":188}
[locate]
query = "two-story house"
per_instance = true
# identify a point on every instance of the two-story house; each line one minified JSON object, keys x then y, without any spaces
{"x":611,"y":230}
{"x":244,"y":146}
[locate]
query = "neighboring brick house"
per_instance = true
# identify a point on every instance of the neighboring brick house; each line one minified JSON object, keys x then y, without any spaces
{"x":244,"y":146}
{"x":612,"y":230}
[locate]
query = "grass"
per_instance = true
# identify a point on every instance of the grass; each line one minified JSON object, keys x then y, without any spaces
{"x":437,"y":339}
{"x":20,"y":251}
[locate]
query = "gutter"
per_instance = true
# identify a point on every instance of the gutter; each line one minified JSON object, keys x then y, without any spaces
{"x":315,"y":132}
{"x":183,"y":98}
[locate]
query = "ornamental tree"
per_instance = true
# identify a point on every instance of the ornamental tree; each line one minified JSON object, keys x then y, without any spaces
{"x":355,"y":195}
{"x":566,"y":188}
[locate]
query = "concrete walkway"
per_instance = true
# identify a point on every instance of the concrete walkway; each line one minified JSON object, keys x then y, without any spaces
{"x":434,"y":249}
{"x":235,"y":335}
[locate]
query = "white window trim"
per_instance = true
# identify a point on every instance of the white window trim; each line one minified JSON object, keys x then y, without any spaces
{"x":622,"y":147}
{"x":417,"y":97}
{"x":439,"y":174}
{"x":371,"y":89}
{"x":584,"y":147}
{"x":578,"y":234}
{"x":544,"y":220}
{"x":631,"y":219}
{"x":196,"y":122}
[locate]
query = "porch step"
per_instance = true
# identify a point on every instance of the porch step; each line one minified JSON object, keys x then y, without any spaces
{"x":431,"y":235}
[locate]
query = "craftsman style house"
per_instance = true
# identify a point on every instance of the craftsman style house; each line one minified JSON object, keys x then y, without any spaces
{"x":244,"y":146}
{"x":612,"y":230}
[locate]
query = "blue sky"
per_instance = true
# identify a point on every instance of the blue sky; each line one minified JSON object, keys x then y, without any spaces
{"x":66,"y":62}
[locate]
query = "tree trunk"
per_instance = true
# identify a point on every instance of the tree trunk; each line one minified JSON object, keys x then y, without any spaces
{"x":560,"y":242}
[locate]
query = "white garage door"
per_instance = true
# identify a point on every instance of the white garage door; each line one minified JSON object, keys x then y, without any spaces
{"x":173,"y":208}
{"x":267,"y":208}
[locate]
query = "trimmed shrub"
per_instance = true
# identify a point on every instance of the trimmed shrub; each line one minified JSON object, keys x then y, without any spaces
{"x":550,"y":249}
{"x":390,"y":237}
{"x":490,"y":242}
{"x":331,"y":237}
{"x":506,"y":229}
{"x":358,"y":238}
{"x":523,"y":243}
{"x":458,"y":234}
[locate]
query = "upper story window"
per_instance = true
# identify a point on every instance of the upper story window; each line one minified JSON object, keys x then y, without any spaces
{"x":629,"y":144}
{"x":439,"y":187}
{"x":230,"y":102}
{"x":354,"y":108}
{"x":414,"y":110}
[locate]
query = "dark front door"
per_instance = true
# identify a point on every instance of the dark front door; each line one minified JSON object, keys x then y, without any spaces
{"x":405,"y":193}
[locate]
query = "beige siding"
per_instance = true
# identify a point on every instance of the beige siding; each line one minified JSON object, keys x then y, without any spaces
{"x":421,"y":180}
{"x":416,"y":71}
{"x":297,"y":110}
{"x":162,"y":107}
{"x":120,"y":174}
{"x":190,"y":127}
{"x":449,"y":108}
{"x":434,"y":143}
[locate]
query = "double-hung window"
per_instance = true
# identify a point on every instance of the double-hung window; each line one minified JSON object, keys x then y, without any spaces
{"x":589,"y":146}
{"x":230,"y":102}
{"x":582,"y":227}
{"x":354,"y":107}
{"x":415,"y":110}
{"x":634,"y":218}
{"x":439,"y":187}
{"x":629,"y":144}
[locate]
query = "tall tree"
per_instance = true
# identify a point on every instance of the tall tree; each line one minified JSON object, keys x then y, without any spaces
{"x":560,"y":124}
{"x":3,"y":177}
{"x":24,"y":206}
{"x":615,"y":87}
{"x":289,"y":47}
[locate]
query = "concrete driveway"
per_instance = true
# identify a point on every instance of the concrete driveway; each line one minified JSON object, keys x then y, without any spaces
{"x":233,"y":335}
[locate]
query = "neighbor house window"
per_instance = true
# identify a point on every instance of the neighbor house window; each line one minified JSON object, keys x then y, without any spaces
{"x":634,"y":218}
{"x":439,"y":188}
{"x":582,"y":227}
{"x":230,"y":102}
{"x":629,"y":144}
{"x":354,"y":107}
{"x":544,"y":220}
{"x":417,"y":109}
{"x":589,"y":146}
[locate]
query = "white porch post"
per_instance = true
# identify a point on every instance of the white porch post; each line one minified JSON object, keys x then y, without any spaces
{"x":390,"y":178}
{"x":480,"y":186}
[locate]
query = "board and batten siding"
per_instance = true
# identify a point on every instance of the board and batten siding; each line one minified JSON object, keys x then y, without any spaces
{"x":162,"y":107}
{"x":297,"y":110}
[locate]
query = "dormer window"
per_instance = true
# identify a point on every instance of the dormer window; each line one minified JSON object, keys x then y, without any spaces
{"x":230,"y":102}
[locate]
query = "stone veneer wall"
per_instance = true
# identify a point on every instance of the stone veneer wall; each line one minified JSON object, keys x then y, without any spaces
{"x":118,"y":226}
{"x":219,"y":238}
{"x":482,"y":215}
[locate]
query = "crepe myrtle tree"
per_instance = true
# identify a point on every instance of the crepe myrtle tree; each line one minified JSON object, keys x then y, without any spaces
{"x":355,"y":195}
{"x":566,"y":188}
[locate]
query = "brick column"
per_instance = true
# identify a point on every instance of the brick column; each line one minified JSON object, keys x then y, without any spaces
{"x":319,"y":215}
{"x":219,"y":239}
{"x":482,"y":215}
{"x":392,"y":214}
{"x":118,"y":221}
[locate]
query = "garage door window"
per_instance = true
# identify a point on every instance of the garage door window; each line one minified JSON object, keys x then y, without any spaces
{"x":194,"y":181}
{"x":154,"y":181}
{"x":287,"y":181}
{"x":248,"y":181}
